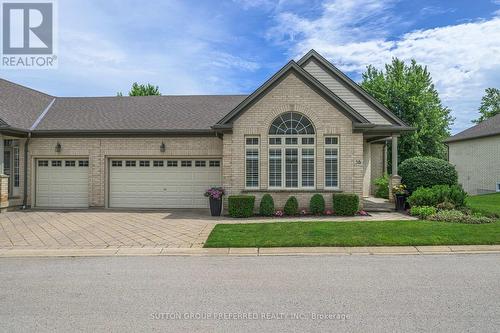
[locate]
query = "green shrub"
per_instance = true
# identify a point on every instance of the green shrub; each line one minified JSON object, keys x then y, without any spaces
{"x":439,"y":195}
{"x":423,"y":212}
{"x":426,"y":172}
{"x":457,"y":195}
{"x":266,"y":207}
{"x":477,"y":219}
{"x":317,"y":204}
{"x":291,"y":206}
{"x":345,"y":204}
{"x":241,"y":205}
{"x":423,"y":197}
{"x":382,"y":184}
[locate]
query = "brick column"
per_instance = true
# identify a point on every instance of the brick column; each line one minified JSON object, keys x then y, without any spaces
{"x":4,"y":191}
{"x":395,"y":178}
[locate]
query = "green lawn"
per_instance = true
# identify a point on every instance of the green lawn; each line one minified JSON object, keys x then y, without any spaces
{"x":486,"y":203}
{"x":388,"y":233}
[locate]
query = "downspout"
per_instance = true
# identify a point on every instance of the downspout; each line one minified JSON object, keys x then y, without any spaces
{"x":25,"y":195}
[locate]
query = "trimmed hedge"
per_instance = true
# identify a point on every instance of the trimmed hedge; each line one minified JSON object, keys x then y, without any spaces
{"x":291,"y":206}
{"x":426,"y":172}
{"x":266,"y":207}
{"x":345,"y":204}
{"x":317,"y":204}
{"x":241,"y":205}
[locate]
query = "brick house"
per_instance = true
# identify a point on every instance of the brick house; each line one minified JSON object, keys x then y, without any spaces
{"x":308,"y":129}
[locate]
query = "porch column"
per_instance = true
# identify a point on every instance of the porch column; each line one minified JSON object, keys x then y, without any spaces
{"x":395,"y":178}
{"x":4,"y":179}
{"x":394,"y":155}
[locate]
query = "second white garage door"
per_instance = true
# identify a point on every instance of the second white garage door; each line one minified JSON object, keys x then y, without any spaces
{"x":161,"y":183}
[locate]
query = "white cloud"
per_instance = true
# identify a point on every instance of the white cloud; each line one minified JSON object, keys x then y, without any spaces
{"x":463,"y":59}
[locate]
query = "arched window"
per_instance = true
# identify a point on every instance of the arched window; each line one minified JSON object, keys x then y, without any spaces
{"x":291,"y":123}
{"x":291,"y":152}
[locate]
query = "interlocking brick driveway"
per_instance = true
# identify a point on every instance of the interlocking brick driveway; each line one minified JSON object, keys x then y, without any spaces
{"x":97,"y":229}
{"x":107,"y":228}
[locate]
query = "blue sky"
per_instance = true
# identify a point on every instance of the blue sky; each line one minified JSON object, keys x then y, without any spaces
{"x":229,"y":47}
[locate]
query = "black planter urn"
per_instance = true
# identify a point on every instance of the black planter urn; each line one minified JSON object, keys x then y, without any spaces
{"x":215,"y":206}
{"x":400,"y":200}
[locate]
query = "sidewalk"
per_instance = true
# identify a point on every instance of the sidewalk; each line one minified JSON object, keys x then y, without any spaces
{"x":273,"y":251}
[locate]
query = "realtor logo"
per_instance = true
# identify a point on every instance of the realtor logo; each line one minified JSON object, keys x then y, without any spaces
{"x":28,"y":34}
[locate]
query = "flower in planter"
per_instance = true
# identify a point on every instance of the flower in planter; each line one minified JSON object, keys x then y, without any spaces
{"x":363,"y":213}
{"x":215,"y":193}
{"x":399,"y":189}
{"x":279,"y":213}
{"x":328,"y":212}
{"x":303,"y":212}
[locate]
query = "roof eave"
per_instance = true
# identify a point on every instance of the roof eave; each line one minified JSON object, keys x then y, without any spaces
{"x":452,"y":140}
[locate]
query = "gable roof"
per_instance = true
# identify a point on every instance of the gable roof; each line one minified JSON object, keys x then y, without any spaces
{"x":24,"y":110}
{"x":307,"y":78}
{"x":351,"y":85}
{"x":485,"y":128}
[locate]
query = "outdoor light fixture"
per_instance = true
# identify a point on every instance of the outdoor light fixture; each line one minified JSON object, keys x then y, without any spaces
{"x":58,"y":147}
{"x":162,"y":147}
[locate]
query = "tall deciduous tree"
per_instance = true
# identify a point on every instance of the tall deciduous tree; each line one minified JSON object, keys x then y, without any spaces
{"x":142,"y":90}
{"x":408,"y":91}
{"x":490,"y":105}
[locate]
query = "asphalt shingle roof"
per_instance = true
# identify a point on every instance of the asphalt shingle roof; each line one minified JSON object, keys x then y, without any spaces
{"x":20,"y":106}
{"x":488,"y":127}
{"x":138,"y":112}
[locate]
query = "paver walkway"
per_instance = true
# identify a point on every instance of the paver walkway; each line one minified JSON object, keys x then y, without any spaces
{"x":120,"y":229}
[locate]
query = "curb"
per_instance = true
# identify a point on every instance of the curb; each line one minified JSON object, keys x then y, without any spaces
{"x":272,"y":251}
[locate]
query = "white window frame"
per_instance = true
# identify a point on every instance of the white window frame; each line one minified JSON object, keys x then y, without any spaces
{"x":299,"y":146}
{"x":252,"y":147}
{"x":332,"y":146}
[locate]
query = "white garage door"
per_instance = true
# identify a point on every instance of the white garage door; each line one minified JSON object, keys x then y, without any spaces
{"x":62,"y":183}
{"x":162,"y":183}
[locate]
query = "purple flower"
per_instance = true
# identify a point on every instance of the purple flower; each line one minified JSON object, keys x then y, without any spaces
{"x":215,"y":193}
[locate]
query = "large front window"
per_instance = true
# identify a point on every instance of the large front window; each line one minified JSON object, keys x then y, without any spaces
{"x":252,"y":162}
{"x":291,"y":152}
{"x":332,"y":162}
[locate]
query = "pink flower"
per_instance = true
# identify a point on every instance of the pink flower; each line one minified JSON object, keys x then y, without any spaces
{"x":279,"y":213}
{"x":303,"y":212}
{"x":363,"y":213}
{"x":328,"y":212}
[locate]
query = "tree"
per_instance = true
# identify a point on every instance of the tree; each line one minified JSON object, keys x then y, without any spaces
{"x":490,"y":105}
{"x":142,"y":90}
{"x":408,"y":91}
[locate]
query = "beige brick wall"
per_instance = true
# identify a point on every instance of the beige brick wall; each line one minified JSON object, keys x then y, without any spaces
{"x":293,"y":95}
{"x":477,"y":162}
{"x":98,"y":150}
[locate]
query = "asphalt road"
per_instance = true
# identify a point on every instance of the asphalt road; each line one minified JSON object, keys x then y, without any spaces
{"x":439,"y":293}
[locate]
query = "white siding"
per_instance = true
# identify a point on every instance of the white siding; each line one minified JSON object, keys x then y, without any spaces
{"x":335,"y":85}
{"x":478,"y":163}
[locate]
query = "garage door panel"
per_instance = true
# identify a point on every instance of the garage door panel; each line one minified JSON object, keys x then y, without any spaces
{"x":162,"y":186}
{"x":61,"y":186}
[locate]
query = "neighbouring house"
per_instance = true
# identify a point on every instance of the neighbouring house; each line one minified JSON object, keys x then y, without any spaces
{"x":475,"y":153}
{"x":308,"y":129}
